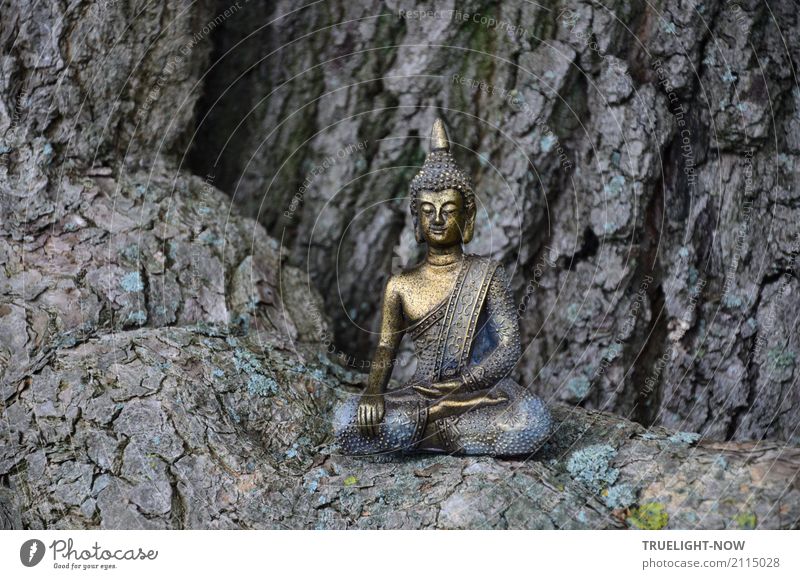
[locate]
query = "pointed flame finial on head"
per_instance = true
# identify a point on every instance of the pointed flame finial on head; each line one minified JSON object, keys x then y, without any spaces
{"x":439,"y":140}
{"x":440,"y":170}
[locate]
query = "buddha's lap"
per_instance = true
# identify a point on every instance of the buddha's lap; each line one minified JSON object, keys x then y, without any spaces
{"x":517,"y":426}
{"x":403,"y":405}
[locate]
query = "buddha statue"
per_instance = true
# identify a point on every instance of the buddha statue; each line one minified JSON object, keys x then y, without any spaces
{"x":458,"y":310}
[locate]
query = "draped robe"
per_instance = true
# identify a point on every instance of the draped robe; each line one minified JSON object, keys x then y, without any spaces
{"x":473,"y":333}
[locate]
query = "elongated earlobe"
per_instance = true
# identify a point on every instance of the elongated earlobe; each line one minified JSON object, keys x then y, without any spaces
{"x":469,"y":228}
{"x":418,"y":231}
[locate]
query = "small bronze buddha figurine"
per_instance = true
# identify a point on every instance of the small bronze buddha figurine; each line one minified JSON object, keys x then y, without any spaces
{"x":458,"y":310}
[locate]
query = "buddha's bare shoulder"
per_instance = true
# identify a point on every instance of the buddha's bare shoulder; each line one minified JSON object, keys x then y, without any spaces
{"x":405,"y":281}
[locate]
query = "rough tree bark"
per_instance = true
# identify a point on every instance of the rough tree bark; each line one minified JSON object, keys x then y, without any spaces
{"x":163,"y":359}
{"x":610,"y":143}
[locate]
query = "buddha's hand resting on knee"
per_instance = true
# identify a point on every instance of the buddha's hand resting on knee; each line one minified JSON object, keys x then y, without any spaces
{"x":370,"y":413}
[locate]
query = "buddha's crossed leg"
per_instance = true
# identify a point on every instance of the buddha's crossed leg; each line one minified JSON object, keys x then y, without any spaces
{"x":506,"y":421}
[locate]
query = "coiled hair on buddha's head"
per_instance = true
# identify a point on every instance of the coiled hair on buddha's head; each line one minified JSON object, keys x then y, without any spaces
{"x":440,"y":172}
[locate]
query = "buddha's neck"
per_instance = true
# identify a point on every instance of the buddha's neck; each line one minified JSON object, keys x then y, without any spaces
{"x":440,"y":256}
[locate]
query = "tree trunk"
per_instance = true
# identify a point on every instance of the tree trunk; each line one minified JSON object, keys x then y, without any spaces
{"x":635,"y":166}
{"x":165,"y":354}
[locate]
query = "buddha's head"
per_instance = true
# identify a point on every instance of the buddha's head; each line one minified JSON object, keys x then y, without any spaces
{"x":442,"y":201}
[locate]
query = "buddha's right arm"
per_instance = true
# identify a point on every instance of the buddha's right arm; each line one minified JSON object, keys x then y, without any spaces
{"x":381,"y":370}
{"x":391,"y":333}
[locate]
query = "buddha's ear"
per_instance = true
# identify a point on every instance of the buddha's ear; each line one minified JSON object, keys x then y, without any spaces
{"x":418,"y":230}
{"x":469,"y":225}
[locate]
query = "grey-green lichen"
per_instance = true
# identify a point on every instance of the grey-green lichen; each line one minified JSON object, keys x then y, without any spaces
{"x":620,"y":496}
{"x":258,"y":383}
{"x":138,"y":317}
{"x":732,"y":301}
{"x":687,"y":438}
{"x":781,"y":359}
{"x":132,"y":282}
{"x":592,"y":466}
{"x":579,"y":386}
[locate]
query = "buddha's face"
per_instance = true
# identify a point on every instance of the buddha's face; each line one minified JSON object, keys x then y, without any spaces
{"x":442,"y":217}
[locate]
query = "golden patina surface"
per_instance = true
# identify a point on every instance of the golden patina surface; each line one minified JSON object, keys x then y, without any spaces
{"x":458,"y":310}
